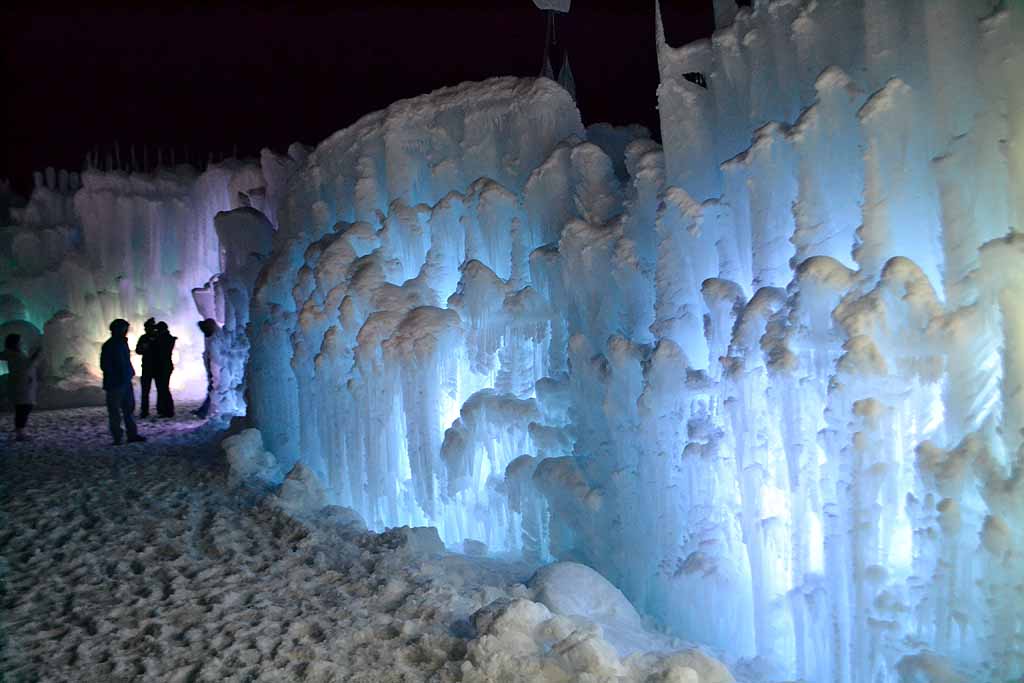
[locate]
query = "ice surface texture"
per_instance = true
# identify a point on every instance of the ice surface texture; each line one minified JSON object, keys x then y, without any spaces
{"x":766,"y":380}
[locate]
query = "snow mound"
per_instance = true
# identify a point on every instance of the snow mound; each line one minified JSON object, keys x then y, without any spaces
{"x":247,"y":459}
{"x":301,"y":493}
{"x":474,"y":548}
{"x":521,"y":640}
{"x":343,"y":518}
{"x":416,"y":540}
{"x":577,"y":591}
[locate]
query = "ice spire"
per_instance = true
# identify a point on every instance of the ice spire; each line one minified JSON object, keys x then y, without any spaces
{"x":550,"y":41}
{"x":547,"y":70}
{"x":565,"y":77}
{"x":659,"y":38}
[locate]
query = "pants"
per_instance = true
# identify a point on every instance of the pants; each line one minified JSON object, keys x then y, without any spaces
{"x":145,"y":382}
{"x":121,"y":405}
{"x":21,"y":412}
{"x":164,"y":401}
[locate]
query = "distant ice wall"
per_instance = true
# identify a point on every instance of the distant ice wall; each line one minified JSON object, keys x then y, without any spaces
{"x":93,"y":247}
{"x":766,"y":380}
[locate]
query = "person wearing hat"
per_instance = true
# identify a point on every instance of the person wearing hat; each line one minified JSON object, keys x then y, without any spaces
{"x":116,"y":363}
{"x":144,"y":347}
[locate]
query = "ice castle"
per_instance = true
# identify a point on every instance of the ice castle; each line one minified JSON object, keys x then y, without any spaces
{"x":767,"y":376}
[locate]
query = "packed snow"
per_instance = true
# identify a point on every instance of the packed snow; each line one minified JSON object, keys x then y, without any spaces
{"x":762,"y":384}
{"x":161,"y":562}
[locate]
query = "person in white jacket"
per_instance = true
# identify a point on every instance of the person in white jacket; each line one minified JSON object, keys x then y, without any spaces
{"x":22,"y":383}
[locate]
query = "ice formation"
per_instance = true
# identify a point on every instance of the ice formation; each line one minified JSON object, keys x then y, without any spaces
{"x":91,"y":247}
{"x":766,"y":379}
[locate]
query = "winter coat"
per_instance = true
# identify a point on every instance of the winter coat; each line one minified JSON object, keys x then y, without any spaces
{"x":162,"y":347}
{"x":22,"y":383}
{"x":144,"y":347}
{"x":116,"y":363}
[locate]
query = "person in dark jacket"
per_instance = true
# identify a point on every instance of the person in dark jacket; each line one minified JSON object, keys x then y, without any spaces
{"x":163,"y":347}
{"x":144,"y":347}
{"x":116,"y":363}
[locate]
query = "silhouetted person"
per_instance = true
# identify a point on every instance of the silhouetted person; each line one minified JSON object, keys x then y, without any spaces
{"x":116,"y":363}
{"x":163,"y":347}
{"x":144,"y":347}
{"x":208,"y":328}
{"x":22,"y":383}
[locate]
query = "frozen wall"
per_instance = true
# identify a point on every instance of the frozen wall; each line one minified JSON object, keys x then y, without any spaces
{"x":246,"y":239}
{"x":767,"y":380}
{"x":87,"y":249}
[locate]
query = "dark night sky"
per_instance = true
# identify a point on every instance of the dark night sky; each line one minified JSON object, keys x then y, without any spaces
{"x":268,"y":74}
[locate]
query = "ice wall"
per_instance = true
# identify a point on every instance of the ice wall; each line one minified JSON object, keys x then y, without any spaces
{"x":766,"y":380}
{"x":93,"y":247}
{"x":246,"y":239}
{"x":358,"y":362}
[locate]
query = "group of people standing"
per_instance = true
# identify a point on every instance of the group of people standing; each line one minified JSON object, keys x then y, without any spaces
{"x":155,"y":346}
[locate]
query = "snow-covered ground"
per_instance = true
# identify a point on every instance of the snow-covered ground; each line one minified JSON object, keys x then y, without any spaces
{"x":140,"y":563}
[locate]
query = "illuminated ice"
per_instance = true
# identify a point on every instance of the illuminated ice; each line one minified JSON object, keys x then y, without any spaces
{"x":767,"y":380}
{"x":87,"y":249}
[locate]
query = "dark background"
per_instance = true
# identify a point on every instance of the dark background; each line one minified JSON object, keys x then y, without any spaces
{"x":227,"y":75}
